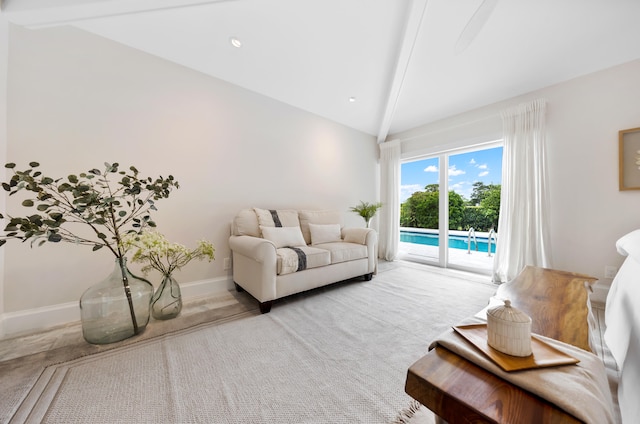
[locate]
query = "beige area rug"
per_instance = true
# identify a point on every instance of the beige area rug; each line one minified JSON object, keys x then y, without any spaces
{"x":20,"y":377}
{"x":335,"y":355}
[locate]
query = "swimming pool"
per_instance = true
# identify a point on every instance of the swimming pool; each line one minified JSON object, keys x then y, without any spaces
{"x":455,"y":242}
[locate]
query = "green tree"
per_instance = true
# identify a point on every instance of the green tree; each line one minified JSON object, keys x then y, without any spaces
{"x":474,"y":217}
{"x":490,"y":205}
{"x":479,"y":192}
{"x":421,"y":210}
{"x":481,"y":212}
{"x":456,"y":210}
{"x":405,"y":215}
{"x":432,"y":188}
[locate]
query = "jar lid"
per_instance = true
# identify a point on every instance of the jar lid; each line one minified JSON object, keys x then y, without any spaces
{"x":508,"y":313}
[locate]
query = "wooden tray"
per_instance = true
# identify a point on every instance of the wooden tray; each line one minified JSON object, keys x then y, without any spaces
{"x":543,"y":354}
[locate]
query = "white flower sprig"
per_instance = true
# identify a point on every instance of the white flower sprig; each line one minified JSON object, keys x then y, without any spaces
{"x":163,"y":256}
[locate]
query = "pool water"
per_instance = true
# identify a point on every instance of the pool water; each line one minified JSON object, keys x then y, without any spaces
{"x":455,"y":242}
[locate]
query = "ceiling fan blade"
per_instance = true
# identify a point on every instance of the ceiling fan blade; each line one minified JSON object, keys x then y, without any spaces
{"x":475,"y":24}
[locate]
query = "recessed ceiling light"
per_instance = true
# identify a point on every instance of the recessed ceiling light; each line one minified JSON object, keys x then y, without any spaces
{"x":352,"y":99}
{"x":235,"y":42}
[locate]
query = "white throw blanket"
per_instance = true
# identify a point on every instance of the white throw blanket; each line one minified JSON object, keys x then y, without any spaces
{"x":292,"y":260}
{"x":622,"y":318}
{"x":581,"y":390}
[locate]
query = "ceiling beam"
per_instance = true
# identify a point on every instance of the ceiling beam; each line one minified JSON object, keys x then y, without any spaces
{"x":413,"y":23}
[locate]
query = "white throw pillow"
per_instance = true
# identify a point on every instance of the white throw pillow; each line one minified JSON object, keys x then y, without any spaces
{"x":286,"y":217}
{"x":356,"y":235}
{"x":283,"y":236}
{"x":325,"y":233}
{"x":327,"y":216}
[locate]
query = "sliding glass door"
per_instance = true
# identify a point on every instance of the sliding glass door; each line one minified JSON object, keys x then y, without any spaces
{"x":420,"y":210}
{"x":450,"y":204}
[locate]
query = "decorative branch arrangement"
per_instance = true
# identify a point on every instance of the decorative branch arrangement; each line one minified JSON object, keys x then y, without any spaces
{"x":110,"y":207}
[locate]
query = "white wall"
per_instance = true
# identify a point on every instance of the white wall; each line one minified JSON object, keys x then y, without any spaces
{"x":584,"y":115}
{"x":76,"y":100}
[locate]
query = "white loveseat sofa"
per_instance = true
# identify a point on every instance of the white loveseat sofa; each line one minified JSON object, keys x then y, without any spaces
{"x":277,"y":253}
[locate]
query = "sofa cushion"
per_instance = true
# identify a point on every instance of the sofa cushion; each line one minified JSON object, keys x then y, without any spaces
{"x":356,"y":235}
{"x":317,"y":217}
{"x":302,"y":257}
{"x":283,"y":236}
{"x":325,"y":233}
{"x":344,"y":252}
{"x":277,"y":217}
{"x":246,"y":224}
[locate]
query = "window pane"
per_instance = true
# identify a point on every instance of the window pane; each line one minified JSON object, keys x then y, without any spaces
{"x":474,"y":206}
{"x":419,"y":205}
{"x":474,"y":182}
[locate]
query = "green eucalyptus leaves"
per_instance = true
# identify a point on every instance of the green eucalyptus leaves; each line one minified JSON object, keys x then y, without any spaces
{"x":110,"y":202}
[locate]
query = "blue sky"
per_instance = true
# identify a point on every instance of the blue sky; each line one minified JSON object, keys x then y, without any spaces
{"x":464,"y":170}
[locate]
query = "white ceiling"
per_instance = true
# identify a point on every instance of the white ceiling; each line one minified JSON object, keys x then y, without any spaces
{"x":396,"y":57}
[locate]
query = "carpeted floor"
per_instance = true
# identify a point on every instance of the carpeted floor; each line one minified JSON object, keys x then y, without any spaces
{"x":27,"y":358}
{"x":338,"y":354}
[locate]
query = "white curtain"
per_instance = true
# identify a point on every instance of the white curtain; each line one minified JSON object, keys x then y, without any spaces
{"x":390,"y":198}
{"x":523,"y":227}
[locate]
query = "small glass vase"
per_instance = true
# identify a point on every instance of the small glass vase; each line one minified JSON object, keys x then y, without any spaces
{"x":116,"y":308}
{"x":166,"y":302}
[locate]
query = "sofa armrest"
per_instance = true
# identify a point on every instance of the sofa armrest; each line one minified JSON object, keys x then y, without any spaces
{"x":367,"y":237}
{"x":256,"y":248}
{"x":255,"y":266}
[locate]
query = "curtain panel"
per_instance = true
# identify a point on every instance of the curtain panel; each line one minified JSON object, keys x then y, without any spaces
{"x":523,"y":226}
{"x":390,"y":198}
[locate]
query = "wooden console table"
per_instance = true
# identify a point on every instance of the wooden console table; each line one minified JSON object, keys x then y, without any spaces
{"x":458,"y":391}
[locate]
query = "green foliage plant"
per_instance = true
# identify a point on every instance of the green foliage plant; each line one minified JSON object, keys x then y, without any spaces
{"x":366,"y":210}
{"x":110,"y":203}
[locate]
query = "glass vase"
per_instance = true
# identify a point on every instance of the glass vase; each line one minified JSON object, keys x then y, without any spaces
{"x":166,"y":302}
{"x":116,"y":308}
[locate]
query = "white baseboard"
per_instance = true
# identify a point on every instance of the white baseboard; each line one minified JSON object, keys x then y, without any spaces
{"x":207,"y":287}
{"x":37,"y":319}
{"x":601,"y":290}
{"x":31,"y":320}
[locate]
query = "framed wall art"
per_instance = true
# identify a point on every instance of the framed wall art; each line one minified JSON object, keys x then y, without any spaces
{"x":629,"y":159}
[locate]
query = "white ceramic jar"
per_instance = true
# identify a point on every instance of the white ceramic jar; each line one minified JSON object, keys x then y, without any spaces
{"x":509,"y":330}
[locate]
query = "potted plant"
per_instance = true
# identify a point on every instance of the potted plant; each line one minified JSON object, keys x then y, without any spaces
{"x":108,"y":204}
{"x":366,"y":210}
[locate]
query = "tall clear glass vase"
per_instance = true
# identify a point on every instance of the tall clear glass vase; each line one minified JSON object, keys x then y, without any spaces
{"x":166,"y":303}
{"x":116,"y":308}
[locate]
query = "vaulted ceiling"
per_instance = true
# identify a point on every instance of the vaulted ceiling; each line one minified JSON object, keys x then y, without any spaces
{"x":379,"y":66}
